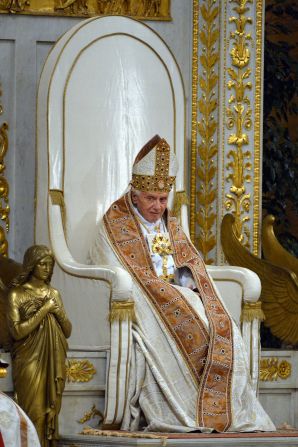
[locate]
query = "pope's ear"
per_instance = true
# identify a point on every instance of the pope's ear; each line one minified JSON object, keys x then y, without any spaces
{"x":134,"y":197}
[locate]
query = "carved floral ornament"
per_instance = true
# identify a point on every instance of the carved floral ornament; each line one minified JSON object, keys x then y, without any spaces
{"x":79,"y":371}
{"x":239,"y":121}
{"x":223,"y":157}
{"x":141,"y":9}
{"x":272,"y":369}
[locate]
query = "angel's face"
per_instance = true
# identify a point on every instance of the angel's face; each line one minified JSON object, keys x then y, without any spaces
{"x":43,"y":269}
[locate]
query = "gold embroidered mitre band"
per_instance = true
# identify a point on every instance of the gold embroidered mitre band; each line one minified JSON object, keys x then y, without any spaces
{"x":155,"y":167}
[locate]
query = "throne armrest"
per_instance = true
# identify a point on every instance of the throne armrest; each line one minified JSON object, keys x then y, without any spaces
{"x":118,"y":278}
{"x":249,"y":281}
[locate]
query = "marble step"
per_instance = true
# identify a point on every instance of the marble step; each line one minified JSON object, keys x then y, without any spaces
{"x":265,"y":440}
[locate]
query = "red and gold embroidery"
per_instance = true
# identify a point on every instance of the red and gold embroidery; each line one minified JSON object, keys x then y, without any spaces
{"x":214,"y":400}
{"x":208,"y":356}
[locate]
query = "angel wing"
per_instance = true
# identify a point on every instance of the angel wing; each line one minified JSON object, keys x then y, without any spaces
{"x":4,"y":332}
{"x":9,"y":269}
{"x":279,"y":294}
{"x":273,"y":251}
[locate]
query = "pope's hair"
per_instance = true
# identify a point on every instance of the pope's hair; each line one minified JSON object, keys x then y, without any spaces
{"x":135,"y":191}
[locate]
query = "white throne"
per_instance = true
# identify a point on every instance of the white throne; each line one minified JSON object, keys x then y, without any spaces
{"x":108,"y":86}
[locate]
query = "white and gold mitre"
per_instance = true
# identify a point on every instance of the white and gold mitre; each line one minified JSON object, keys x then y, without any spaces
{"x":155,"y":167}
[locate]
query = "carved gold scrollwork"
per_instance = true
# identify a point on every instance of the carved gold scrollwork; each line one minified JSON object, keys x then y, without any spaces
{"x":271,"y":369}
{"x":239,"y":118}
{"x":141,"y":9}
{"x":75,"y":6}
{"x":14,"y":6}
{"x":91,"y":414}
{"x":79,"y":371}
{"x":4,"y":189}
{"x":205,"y":153}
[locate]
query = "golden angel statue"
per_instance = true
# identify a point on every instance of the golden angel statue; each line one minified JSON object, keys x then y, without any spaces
{"x":39,"y":326}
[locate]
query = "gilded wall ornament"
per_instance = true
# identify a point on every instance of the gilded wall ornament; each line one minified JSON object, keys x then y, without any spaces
{"x":14,"y":6}
{"x":79,"y":371}
{"x":91,"y":414}
{"x":3,"y":373}
{"x":272,"y":369}
{"x":205,"y":126}
{"x":226,"y":122}
{"x":3,"y":369}
{"x":141,"y":9}
{"x":239,"y":120}
{"x":4,"y":188}
{"x":273,"y":251}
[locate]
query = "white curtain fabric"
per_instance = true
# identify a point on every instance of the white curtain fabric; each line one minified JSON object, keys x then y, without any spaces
{"x":161,"y":387}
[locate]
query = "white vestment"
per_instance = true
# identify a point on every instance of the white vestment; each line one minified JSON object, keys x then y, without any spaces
{"x":15,"y":427}
{"x":161,"y":387}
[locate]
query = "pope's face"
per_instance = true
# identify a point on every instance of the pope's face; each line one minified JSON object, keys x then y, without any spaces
{"x":151,"y":205}
{"x":43,"y":268}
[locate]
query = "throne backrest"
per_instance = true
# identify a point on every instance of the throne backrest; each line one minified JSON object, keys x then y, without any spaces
{"x":108,"y":86}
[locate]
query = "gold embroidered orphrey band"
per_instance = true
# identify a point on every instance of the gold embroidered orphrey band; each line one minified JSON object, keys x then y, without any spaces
{"x":208,"y":356}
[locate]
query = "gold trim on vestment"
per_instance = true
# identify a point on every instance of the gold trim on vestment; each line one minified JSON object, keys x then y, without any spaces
{"x":213,"y":407}
{"x":209,"y":359}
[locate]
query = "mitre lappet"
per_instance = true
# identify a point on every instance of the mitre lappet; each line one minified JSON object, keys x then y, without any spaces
{"x":154,"y":171}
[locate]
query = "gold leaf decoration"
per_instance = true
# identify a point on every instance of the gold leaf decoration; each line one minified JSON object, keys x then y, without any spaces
{"x":145,"y":9}
{"x":79,"y":371}
{"x":279,"y":293}
{"x":271,"y":369}
{"x":3,"y":373}
{"x":239,"y":113}
{"x":194,"y":126}
{"x":273,"y":251}
{"x":4,"y":188}
{"x":91,"y":414}
{"x":205,"y":152}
